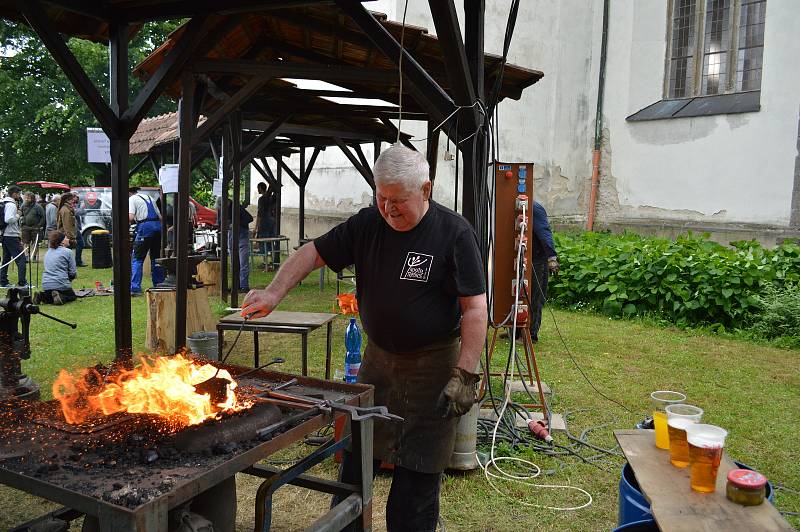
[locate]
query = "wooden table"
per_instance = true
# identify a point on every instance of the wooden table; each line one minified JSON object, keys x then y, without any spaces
{"x":280,"y":321}
{"x":675,"y":506}
{"x":256,"y":245}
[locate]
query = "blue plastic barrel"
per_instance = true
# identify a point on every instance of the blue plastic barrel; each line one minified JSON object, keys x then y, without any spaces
{"x":633,"y":507}
{"x":646,"y":525}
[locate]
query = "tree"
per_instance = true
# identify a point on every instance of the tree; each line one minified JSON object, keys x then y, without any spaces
{"x":43,"y":121}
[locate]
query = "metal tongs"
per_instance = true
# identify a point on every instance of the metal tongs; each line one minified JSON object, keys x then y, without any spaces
{"x":356,"y":413}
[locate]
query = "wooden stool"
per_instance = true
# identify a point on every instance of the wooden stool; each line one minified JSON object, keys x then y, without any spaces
{"x":161,"y":317}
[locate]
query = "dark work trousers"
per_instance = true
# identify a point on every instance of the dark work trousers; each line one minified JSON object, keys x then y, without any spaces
{"x":12,"y":246}
{"x":65,"y":295}
{"x":538,"y":296}
{"x":413,"y":503}
{"x":79,"y":249}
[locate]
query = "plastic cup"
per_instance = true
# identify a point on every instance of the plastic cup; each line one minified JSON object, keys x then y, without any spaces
{"x":705,"y":453}
{"x":678,"y":418}
{"x":660,"y":401}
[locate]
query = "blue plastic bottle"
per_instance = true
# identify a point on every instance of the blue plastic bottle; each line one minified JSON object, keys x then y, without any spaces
{"x":352,"y":359}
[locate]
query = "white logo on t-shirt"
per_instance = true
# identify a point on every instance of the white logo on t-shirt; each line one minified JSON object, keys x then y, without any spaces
{"x":417,"y":267}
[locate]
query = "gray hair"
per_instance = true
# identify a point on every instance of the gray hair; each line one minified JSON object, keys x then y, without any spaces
{"x":402,"y":166}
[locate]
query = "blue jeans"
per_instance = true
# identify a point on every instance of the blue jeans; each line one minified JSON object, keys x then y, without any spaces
{"x":78,"y":248}
{"x":244,"y":256}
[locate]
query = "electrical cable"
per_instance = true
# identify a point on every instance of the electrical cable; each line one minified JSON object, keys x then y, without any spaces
{"x":494,"y":461}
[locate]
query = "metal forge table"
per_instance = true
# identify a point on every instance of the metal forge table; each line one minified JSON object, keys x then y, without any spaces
{"x":280,"y":321}
{"x":87,"y":486}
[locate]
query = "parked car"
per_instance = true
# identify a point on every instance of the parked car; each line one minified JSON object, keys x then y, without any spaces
{"x":95,"y":203}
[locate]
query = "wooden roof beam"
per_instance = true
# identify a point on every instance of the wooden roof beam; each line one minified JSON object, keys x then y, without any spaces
{"x":284,"y":69}
{"x":193,"y":36}
{"x":263,"y":140}
{"x":222,"y":113}
{"x":365,"y":172}
{"x":433,"y":99}
{"x":314,"y":131}
{"x":445,"y":19}
{"x":38,"y":20}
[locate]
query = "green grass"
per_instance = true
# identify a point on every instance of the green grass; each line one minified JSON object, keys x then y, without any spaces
{"x":751,"y":389}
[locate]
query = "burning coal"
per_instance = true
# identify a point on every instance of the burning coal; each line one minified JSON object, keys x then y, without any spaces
{"x":164,"y":386}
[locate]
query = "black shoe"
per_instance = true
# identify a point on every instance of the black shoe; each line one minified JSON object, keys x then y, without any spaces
{"x":37,"y":298}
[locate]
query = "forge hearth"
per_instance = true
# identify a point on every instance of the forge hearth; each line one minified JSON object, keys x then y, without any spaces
{"x":139,"y":464}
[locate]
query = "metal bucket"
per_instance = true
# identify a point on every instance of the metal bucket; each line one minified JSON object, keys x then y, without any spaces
{"x":633,"y":507}
{"x":646,"y":525}
{"x":204,"y":344}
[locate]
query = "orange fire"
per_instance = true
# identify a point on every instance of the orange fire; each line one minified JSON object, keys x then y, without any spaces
{"x":164,"y":386}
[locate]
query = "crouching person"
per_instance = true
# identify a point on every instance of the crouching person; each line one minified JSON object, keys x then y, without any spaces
{"x":59,"y":271}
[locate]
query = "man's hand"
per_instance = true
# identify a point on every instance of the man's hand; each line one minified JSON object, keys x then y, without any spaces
{"x":552,"y":265}
{"x":259,"y":303}
{"x":460,"y":393}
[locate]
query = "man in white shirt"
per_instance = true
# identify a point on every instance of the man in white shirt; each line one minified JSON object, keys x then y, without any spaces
{"x":143,"y":212}
{"x":12,"y":243}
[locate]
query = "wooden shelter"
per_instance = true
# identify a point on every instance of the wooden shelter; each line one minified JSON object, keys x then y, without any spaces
{"x":241,"y":47}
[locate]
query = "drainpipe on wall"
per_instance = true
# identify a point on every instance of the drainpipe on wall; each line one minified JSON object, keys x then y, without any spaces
{"x":598,"y":124}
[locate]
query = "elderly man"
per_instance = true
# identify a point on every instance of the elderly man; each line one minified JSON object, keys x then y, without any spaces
{"x":421,"y":294}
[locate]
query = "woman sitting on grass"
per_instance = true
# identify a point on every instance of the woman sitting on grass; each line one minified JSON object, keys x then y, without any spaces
{"x":59,"y":271}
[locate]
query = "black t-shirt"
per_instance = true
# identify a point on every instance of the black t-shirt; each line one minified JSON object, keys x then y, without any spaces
{"x":408,"y":282}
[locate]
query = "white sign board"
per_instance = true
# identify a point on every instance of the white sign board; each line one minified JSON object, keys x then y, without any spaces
{"x":97,"y":145}
{"x":168,"y":178}
{"x":220,"y":167}
{"x":218,"y":188}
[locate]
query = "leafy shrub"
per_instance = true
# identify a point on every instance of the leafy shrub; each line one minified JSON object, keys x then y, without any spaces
{"x":690,"y":281}
{"x":780,"y":317}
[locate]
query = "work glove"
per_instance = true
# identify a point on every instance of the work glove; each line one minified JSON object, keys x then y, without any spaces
{"x":552,"y":265}
{"x":459,"y":394}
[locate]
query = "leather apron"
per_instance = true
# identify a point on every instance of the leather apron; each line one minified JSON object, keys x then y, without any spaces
{"x":409,"y":385}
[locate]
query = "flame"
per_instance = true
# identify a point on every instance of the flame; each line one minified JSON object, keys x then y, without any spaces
{"x":164,"y":386}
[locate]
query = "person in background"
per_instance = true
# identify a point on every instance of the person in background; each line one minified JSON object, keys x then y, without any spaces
{"x":51,"y":214}
{"x":12,"y":244}
{"x":80,"y":211}
{"x":243,"y":241}
{"x":545,"y":263}
{"x":65,"y":220}
{"x":59,"y":272}
{"x":31,"y":222}
{"x":422,"y":299}
{"x":265,"y":223}
{"x":143,"y":212}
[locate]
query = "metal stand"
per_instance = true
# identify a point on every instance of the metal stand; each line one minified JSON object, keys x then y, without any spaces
{"x":357,"y":504}
{"x":532,"y":369}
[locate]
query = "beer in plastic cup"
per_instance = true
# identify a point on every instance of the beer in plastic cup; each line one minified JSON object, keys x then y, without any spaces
{"x":661,"y":399}
{"x":678,"y":418}
{"x":705,"y":453}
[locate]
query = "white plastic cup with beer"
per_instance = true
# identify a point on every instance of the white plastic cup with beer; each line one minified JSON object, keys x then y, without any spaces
{"x":705,"y":453}
{"x":660,"y":401}
{"x":678,"y":418}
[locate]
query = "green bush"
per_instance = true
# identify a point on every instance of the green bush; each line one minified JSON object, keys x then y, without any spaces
{"x":690,"y":281}
{"x":780,"y":317}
